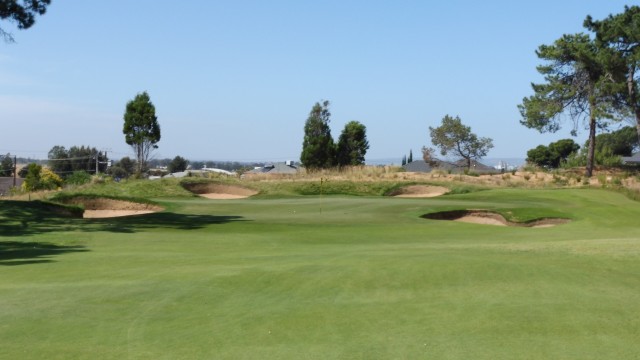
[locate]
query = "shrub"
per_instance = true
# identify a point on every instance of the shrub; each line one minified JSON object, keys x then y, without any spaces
{"x":50,"y":180}
{"x":78,"y":178}
{"x":602,"y":179}
{"x":38,"y":178}
{"x":559,"y":180}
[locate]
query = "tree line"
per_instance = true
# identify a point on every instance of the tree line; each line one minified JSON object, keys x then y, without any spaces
{"x":609,"y":147}
{"x":319,"y":151}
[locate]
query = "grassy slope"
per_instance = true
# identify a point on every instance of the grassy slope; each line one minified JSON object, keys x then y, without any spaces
{"x":330,"y":277}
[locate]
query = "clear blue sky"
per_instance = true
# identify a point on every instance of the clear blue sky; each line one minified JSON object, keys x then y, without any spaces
{"x":235,"y":80}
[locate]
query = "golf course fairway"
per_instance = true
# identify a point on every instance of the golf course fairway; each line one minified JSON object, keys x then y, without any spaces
{"x":331,"y":277}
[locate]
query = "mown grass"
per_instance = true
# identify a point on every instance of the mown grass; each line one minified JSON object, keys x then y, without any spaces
{"x":327,"y":277}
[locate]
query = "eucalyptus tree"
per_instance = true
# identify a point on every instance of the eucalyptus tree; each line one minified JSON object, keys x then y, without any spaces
{"x":141,"y":129}
{"x":578,"y":85}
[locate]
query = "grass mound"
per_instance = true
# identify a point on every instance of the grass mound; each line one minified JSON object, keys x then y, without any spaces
{"x":99,"y":206}
{"x":135,"y":189}
{"x":105,"y":202}
{"x":37,"y":209}
{"x":419,"y":191}
{"x":214,"y":190}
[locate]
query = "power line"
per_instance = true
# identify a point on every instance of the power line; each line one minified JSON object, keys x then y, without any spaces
{"x":89,"y":157}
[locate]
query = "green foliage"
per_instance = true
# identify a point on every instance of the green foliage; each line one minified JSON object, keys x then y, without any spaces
{"x":576,"y":84}
{"x":622,"y":142}
{"x":553,"y":155}
{"x":32,"y":179}
{"x":454,"y":137}
{"x":77,"y":158}
{"x":22,"y":12}
{"x":607,"y":158}
{"x":78,"y":178}
{"x":22,"y":173}
{"x":118,"y":172}
{"x":540,"y":156}
{"x":178,"y":164}
{"x":50,"y":180}
{"x":141,"y":129}
{"x":404,"y":160}
{"x":604,"y":157}
{"x":410,"y":158}
{"x":123,"y":169}
{"x":38,"y":178}
{"x":6,"y":166}
{"x":352,"y":145}
{"x":620,"y":34}
{"x":318,"y":148}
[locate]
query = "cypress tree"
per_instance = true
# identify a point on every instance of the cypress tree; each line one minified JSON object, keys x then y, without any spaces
{"x":318,"y":148}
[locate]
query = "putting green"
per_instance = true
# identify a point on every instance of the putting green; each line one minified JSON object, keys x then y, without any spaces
{"x":330,"y":277}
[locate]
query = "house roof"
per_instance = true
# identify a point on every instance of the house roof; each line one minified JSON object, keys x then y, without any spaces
{"x":417,"y":166}
{"x":275,"y":168}
{"x":633,"y":159}
{"x":456,"y":167}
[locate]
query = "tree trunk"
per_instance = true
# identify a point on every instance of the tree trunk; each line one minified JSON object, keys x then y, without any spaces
{"x":592,"y":139}
{"x":633,"y":97}
{"x":637,"y":111}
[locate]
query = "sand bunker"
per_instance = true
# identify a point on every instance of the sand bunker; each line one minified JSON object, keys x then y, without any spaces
{"x":491,"y":218}
{"x":99,"y":214}
{"x":420,"y":191}
{"x":220,"y":192}
{"x":107,"y":208}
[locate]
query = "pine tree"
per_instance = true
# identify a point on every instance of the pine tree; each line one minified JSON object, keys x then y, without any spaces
{"x":576,"y":84}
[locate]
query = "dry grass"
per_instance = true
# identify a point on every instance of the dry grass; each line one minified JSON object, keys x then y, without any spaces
{"x":526,"y":179}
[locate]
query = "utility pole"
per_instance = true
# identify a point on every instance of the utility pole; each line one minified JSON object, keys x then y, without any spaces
{"x":97,"y":157}
{"x":15,"y":170}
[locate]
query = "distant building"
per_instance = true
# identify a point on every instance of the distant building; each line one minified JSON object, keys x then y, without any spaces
{"x":219,"y":171}
{"x":287,"y":167}
{"x":631,"y":160}
{"x":453,"y":167}
{"x":6,"y":183}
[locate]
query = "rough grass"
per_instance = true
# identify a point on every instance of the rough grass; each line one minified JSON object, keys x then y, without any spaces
{"x":325,"y":277}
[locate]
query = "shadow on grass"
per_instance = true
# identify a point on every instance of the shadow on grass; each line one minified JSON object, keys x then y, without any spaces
{"x":14,"y":253}
{"x":19,"y":218}
{"x":161,"y":220}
